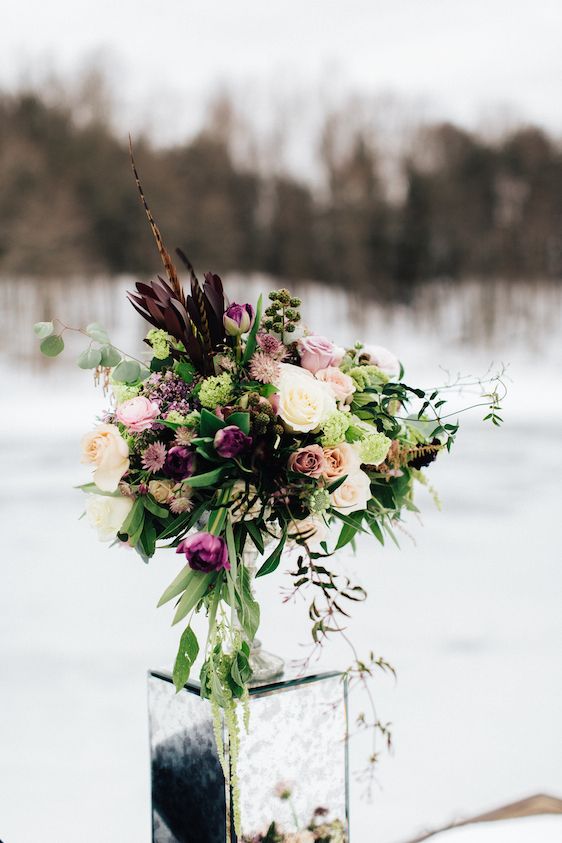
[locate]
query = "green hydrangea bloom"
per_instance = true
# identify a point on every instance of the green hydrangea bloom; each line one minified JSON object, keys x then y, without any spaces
{"x":174,"y":416}
{"x":161,"y":343}
{"x":364,"y":376}
{"x":216,"y":390}
{"x":124,"y":391}
{"x":192,"y":419}
{"x":334,"y":428}
{"x":319,"y":501}
{"x":374,"y":448}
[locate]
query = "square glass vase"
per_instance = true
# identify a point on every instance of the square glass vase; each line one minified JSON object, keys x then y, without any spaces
{"x":292,"y":768}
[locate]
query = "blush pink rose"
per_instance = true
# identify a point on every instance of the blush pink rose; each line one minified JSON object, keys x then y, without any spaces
{"x":382,"y":358}
{"x":137,"y":414}
{"x":341,"y":384}
{"x":343,"y":459}
{"x":315,"y":352}
{"x":309,"y":461}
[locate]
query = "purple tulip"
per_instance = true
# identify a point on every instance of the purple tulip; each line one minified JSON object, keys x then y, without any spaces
{"x":179,"y":463}
{"x":231,"y":441}
{"x":238,"y":319}
{"x":205,"y":552}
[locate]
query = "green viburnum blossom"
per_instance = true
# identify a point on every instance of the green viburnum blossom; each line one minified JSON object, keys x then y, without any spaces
{"x":216,"y":390}
{"x":161,"y":342}
{"x":334,"y":428}
{"x":319,"y":501}
{"x":374,"y":448}
{"x":124,"y":392}
{"x":364,"y":376}
{"x":192,"y":419}
{"x":175,"y":417}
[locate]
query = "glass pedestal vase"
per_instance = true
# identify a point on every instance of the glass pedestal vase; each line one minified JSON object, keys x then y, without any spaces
{"x":292,"y":767}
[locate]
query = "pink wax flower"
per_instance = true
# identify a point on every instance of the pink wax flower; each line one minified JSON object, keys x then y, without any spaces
{"x":137,"y":414}
{"x":205,"y":552}
{"x":315,"y":352}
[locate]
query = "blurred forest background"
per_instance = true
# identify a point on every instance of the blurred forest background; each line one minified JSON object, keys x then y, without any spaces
{"x":446,"y":203}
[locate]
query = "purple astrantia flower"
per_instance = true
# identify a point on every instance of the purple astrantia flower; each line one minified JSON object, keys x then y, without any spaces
{"x":231,"y":441}
{"x":205,"y":552}
{"x":179,"y":463}
{"x":238,"y":319}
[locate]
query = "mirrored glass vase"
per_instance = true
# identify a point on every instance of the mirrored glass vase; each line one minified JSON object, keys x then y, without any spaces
{"x":292,"y":769}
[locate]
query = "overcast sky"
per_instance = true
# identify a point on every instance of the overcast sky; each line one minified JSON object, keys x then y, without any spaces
{"x":472,"y":60}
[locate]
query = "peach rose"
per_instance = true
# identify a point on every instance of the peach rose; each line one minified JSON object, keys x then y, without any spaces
{"x":353,"y":494}
{"x":108,"y":451}
{"x":341,"y":460}
{"x":341,"y":384}
{"x":161,"y":490}
{"x":137,"y":414}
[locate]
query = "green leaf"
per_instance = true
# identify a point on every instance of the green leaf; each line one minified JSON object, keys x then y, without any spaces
{"x":336,"y":484}
{"x":197,"y":586}
{"x":90,"y":358}
{"x":256,"y":535}
{"x":251,"y":341}
{"x":272,"y":561}
{"x":248,"y":607}
{"x":97,"y":332}
{"x":209,"y":423}
{"x":241,"y":420}
{"x":185,"y":370}
{"x":208,"y":479}
{"x":110,"y":357}
{"x":176,"y":587}
{"x":127,"y":371}
{"x":52,"y":346}
{"x":43,"y":329}
{"x":148,"y":537}
{"x":187,"y":653}
{"x":150,"y":504}
{"x":133,"y":519}
{"x":135,"y":534}
{"x":184,"y":522}
{"x":349,"y":529}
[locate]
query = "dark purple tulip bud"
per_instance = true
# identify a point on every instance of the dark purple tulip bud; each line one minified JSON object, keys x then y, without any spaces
{"x":205,"y":552}
{"x":179,"y":463}
{"x":238,"y":319}
{"x":231,"y":441}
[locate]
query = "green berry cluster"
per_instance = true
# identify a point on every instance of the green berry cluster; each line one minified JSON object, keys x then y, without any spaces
{"x":283,"y":313}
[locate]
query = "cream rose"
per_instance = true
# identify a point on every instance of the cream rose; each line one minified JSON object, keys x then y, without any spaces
{"x":343,"y":459}
{"x":311,"y":530}
{"x":161,"y":490}
{"x":353,"y":494}
{"x":108,"y":451}
{"x":382,"y":358}
{"x":304,"y":402}
{"x":341,"y":384}
{"x":107,"y":514}
{"x":247,"y":505}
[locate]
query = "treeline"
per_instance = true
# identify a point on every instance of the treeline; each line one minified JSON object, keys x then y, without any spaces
{"x":462,"y":205}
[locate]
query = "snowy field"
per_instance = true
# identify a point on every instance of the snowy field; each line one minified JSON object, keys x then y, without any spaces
{"x":469,"y":615}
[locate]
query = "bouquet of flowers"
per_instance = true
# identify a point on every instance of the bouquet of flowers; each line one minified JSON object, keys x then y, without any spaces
{"x":243,"y":430}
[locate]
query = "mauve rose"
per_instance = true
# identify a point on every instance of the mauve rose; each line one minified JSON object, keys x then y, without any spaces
{"x":238,"y":319}
{"x":315,"y":352}
{"x":231,"y":441}
{"x":205,"y":552}
{"x":309,"y":461}
{"x":137,"y":414}
{"x":179,"y":463}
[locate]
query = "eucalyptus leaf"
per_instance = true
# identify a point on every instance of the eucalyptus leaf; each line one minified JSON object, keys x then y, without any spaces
{"x":210,"y":478}
{"x":97,"y":332}
{"x":150,"y":504}
{"x":90,"y":358}
{"x":127,"y":371}
{"x":52,"y":346}
{"x":43,"y":329}
{"x":110,"y":357}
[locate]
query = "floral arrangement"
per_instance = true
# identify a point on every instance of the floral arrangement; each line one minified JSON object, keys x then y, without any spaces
{"x":320,"y":829}
{"x":242,"y":428}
